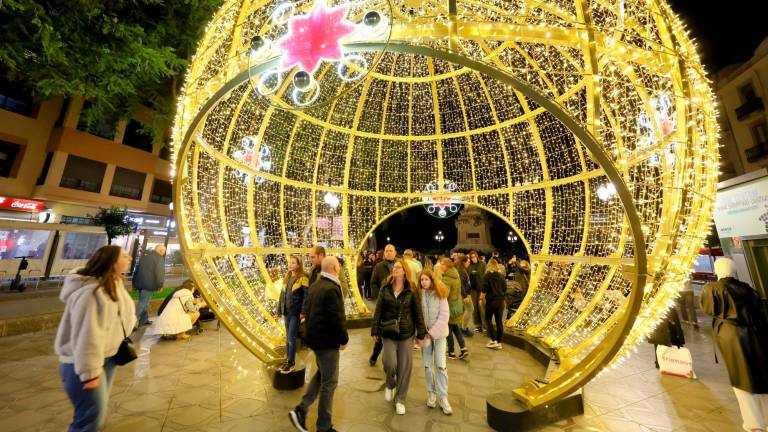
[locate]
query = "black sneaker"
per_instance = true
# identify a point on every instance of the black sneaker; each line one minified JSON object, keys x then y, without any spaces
{"x":464,"y":353}
{"x":299,"y":419}
{"x":288,"y":368}
{"x":452,"y":356}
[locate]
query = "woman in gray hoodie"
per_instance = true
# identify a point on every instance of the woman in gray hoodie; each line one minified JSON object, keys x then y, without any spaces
{"x":98,"y":311}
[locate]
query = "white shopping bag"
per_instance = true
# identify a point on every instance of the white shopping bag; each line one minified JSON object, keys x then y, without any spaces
{"x":675,"y":361}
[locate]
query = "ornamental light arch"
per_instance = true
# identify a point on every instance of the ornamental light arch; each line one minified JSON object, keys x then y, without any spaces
{"x":588,"y":125}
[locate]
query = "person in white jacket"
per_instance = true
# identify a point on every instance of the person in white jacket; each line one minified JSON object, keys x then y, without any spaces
{"x":434,"y":302}
{"x":97,"y":314}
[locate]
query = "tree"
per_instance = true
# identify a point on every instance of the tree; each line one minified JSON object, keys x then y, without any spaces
{"x":118,"y":54}
{"x":115,"y":222}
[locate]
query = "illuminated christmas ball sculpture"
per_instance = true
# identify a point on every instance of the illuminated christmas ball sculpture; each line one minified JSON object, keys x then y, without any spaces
{"x":589,"y":126}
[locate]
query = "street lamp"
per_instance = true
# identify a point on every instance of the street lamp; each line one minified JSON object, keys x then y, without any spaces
{"x":512,"y":237}
{"x":439,"y":237}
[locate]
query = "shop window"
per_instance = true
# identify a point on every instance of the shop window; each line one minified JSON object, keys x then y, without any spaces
{"x":10,"y":158}
{"x":46,"y":167}
{"x":18,"y":243}
{"x":161,"y":192}
{"x":83,"y":174}
{"x":134,"y":137}
{"x":102,"y":129}
{"x":127,"y":184}
{"x":16,"y":98}
{"x":81,"y":246}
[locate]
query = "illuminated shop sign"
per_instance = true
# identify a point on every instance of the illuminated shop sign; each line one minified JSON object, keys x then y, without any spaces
{"x":18,"y":204}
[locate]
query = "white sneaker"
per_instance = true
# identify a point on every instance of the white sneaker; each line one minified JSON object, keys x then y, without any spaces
{"x":446,"y":406}
{"x":400,"y":408}
{"x":490,"y":344}
{"x":497,"y":346}
{"x":431,"y":400}
{"x":389,"y":394}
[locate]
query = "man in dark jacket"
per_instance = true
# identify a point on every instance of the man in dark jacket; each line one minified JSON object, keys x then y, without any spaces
{"x":148,"y":278}
{"x":326,"y":336}
{"x":380,"y":274}
{"x":476,"y":272}
{"x":316,"y":255}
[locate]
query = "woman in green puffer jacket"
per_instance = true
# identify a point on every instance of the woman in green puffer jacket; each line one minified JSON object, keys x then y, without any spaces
{"x":451,"y":279}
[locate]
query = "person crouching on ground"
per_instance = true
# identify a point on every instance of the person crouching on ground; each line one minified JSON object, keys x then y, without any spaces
{"x":397,"y":318}
{"x":741,"y":333}
{"x":181,"y":313}
{"x":326,"y":336}
{"x":292,"y":299}
{"x":434,"y":303}
{"x":97,"y":313}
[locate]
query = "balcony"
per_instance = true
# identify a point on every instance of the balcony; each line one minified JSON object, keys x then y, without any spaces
{"x":80,"y":184}
{"x":757,"y":152}
{"x":751,"y":105}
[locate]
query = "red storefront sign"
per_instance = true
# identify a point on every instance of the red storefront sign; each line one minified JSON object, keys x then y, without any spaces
{"x":18,"y":204}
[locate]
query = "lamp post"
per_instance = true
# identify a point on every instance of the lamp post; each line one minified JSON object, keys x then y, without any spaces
{"x":511,"y":237}
{"x":440,"y":237}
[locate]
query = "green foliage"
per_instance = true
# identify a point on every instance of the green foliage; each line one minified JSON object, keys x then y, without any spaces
{"x":115,"y":222}
{"x":119,"y":53}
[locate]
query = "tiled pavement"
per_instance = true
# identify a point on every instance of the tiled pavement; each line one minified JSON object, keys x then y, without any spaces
{"x":210,"y":383}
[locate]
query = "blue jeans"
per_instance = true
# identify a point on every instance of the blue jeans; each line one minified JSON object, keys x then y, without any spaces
{"x":454,"y":330}
{"x":291,"y":330}
{"x":142,"y":310}
{"x":433,"y":357}
{"x":90,"y":405}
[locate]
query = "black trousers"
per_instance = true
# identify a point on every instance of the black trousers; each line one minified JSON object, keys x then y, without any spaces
{"x":495,"y":310}
{"x":377,"y":347}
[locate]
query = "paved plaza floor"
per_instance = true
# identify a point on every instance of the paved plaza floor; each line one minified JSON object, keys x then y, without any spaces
{"x":211,"y":383}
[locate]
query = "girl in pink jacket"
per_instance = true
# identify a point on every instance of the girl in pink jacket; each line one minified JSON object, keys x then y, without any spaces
{"x":434,"y":302}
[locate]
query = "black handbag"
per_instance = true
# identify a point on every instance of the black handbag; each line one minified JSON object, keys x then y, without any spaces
{"x":391,"y":328}
{"x":126,"y":353}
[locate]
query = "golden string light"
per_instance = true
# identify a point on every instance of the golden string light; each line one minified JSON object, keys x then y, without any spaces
{"x":588,"y":126}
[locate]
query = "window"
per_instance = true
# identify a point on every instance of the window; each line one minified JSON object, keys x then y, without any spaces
{"x":46,"y":167}
{"x":62,"y":113}
{"x":18,"y":243}
{"x":83,"y":174}
{"x":76,"y":220}
{"x":747,"y":92}
{"x":473,"y":235}
{"x":10,"y":158}
{"x":81,"y":246}
{"x":135,"y":138}
{"x":127,"y":184}
{"x":760,"y":133}
{"x":16,"y":98}
{"x":165,"y":152}
{"x":161,"y":192}
{"x":102,"y":129}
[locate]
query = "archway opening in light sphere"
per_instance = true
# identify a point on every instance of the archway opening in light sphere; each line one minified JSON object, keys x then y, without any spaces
{"x":589,"y":126}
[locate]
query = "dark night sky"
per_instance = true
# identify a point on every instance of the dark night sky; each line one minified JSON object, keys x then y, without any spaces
{"x":414,"y":228}
{"x":727,"y":32}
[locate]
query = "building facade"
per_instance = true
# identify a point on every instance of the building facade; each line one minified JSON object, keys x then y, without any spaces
{"x":743,"y":90}
{"x":55,"y":171}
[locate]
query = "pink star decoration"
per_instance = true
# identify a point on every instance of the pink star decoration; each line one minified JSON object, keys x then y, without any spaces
{"x":314,"y":37}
